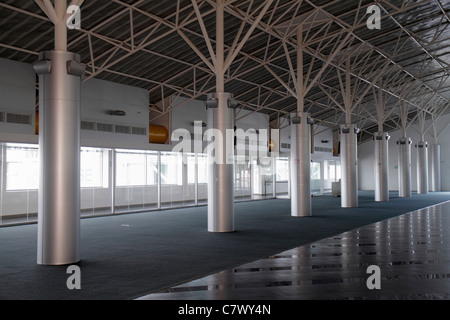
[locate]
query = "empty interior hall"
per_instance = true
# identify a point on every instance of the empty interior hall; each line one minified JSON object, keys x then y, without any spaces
{"x":157,"y":143}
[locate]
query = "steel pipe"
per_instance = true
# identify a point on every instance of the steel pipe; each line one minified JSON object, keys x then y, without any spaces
{"x":381,"y":166}
{"x":349,"y":166}
{"x":422,"y":167}
{"x":435,"y":159}
{"x":300,"y":162}
{"x":59,"y":149}
{"x":221,"y":165}
{"x":404,"y":167}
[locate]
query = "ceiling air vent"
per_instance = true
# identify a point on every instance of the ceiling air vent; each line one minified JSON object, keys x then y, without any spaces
{"x":321,"y":149}
{"x":18,"y":118}
{"x":87,"y":125}
{"x":104,"y":127}
{"x":139,"y":131}
{"x":121,"y":129}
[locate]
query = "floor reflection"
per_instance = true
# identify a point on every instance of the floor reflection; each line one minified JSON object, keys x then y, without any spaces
{"x":412,"y":251}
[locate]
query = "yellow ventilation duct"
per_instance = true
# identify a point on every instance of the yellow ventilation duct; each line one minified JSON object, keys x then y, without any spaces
{"x":157,"y":134}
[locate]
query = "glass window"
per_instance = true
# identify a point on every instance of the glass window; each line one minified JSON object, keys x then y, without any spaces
{"x":282,"y":169}
{"x":152,"y":168}
{"x":171,"y":168}
{"x":190,"y":158}
{"x":202,"y":168}
{"x":329,"y":174}
{"x":22,"y":167}
{"x":242,"y":173}
{"x":315,"y":170}
{"x":94,"y":168}
{"x":315,"y":177}
{"x":338,"y":170}
{"x":130,"y":169}
{"x":136,"y":168}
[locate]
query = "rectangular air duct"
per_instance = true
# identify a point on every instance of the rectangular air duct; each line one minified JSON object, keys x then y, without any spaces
{"x":18,"y":118}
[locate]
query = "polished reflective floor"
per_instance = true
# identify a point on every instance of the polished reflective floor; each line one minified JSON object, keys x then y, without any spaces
{"x":412,"y":252}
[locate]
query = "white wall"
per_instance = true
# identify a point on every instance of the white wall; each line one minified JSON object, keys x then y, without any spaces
{"x":187,"y":111}
{"x":320,"y":133}
{"x":98,"y":98}
{"x":366,"y":157}
{"x":17,"y":95}
{"x":323,"y":141}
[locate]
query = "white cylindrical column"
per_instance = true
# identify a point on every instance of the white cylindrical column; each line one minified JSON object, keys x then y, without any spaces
{"x":422,"y":167}
{"x":300,"y":162}
{"x":60,"y":75}
{"x":435,"y":159}
{"x":381,"y":166}
{"x":404,"y":167}
{"x":349,"y":166}
{"x":221,"y":164}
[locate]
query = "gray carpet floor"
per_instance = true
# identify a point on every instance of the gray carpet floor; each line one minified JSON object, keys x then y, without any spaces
{"x":130,"y":255}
